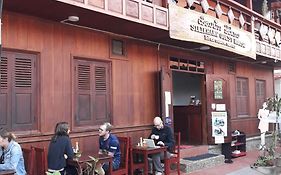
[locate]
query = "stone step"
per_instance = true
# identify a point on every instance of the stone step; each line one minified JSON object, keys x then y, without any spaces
{"x":190,"y":151}
{"x":188,"y":166}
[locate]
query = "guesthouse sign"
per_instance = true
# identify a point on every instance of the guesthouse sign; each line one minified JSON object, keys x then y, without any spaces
{"x":189,"y":25}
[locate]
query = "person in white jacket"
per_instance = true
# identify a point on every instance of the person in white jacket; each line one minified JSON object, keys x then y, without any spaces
{"x":263,"y":125}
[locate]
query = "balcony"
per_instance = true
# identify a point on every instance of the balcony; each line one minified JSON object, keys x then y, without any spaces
{"x":267,"y":32}
{"x":150,"y":21}
{"x":134,"y":10}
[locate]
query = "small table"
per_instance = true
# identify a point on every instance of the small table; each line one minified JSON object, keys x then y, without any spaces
{"x":7,"y":172}
{"x":145,"y":151}
{"x":78,"y":162}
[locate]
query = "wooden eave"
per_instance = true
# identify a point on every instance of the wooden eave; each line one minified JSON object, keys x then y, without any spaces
{"x":104,"y":20}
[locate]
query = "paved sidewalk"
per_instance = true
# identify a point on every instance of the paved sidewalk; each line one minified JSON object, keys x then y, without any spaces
{"x":240,"y":166}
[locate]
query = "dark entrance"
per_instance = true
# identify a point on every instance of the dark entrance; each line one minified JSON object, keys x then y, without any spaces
{"x":187,"y":106}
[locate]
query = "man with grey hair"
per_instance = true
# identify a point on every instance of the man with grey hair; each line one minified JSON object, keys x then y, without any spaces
{"x":162,"y":136}
{"x":108,"y":144}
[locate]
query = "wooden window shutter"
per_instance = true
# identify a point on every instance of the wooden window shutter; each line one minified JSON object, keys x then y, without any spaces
{"x":4,"y":93}
{"x":92,"y":92}
{"x":84,"y":93}
{"x":101,"y":92}
{"x":18,"y":91}
{"x":23,"y":106}
{"x":242,"y":96}
{"x":260,"y":93}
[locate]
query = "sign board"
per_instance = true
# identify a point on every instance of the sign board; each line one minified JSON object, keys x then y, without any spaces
{"x":219,"y":124}
{"x":189,"y":25}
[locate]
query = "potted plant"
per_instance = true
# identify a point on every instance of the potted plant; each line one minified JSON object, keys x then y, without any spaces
{"x":90,"y":166}
{"x":268,"y":159}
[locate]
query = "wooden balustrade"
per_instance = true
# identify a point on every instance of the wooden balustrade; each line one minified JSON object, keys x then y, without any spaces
{"x":133,"y":10}
{"x":267,"y":32}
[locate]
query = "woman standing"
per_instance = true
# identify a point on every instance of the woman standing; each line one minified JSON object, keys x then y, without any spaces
{"x":60,"y":146}
{"x":11,"y":153}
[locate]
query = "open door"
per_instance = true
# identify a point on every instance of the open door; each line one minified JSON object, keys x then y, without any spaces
{"x":166,"y":96}
{"x":217,"y":92}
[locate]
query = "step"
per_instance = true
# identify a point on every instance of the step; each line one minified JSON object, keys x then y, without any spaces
{"x":188,"y":166}
{"x":190,"y":151}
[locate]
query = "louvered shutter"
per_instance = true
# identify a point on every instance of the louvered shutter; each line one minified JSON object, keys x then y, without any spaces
{"x":23,"y":96}
{"x":83,"y":74}
{"x":4,"y":95}
{"x":101,"y":92}
{"x":242,"y":96}
{"x":91,"y":92}
{"x":18,"y":91}
{"x":260,"y":93}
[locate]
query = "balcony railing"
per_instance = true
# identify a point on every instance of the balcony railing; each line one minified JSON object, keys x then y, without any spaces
{"x":267,"y":32}
{"x":134,"y":10}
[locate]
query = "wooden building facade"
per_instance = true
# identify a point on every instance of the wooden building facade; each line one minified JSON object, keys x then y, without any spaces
{"x":120,"y":63}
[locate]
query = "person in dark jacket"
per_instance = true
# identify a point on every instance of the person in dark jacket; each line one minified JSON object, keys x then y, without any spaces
{"x":60,"y":149}
{"x":163,"y":136}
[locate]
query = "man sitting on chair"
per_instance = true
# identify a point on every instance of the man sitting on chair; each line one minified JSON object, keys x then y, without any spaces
{"x":163,"y":136}
{"x":108,"y":144}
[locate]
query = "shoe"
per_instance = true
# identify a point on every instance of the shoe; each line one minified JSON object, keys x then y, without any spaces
{"x":228,"y":161}
{"x":158,"y":173}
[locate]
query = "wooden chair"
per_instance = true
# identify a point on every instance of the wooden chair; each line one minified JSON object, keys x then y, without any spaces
{"x":28,"y":155}
{"x":124,"y":164}
{"x":135,"y":165}
{"x":41,"y":160}
{"x":175,"y":157}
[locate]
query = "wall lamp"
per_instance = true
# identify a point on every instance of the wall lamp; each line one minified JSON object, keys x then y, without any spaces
{"x":71,"y":19}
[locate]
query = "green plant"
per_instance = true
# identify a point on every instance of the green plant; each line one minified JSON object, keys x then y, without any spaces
{"x":90,"y":166}
{"x":274,"y":104}
{"x":268,"y":157}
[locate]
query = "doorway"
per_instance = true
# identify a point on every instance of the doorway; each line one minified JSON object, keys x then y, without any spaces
{"x":188,"y":94}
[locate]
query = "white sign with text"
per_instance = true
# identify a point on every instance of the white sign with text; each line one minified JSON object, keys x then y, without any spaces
{"x":189,"y":25}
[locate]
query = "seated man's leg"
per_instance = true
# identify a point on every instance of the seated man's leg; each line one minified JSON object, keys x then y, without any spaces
{"x":156,"y":159}
{"x":115,"y":165}
{"x":150,"y":166}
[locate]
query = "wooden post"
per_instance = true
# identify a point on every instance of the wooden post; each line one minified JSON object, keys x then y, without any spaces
{"x":249,"y":4}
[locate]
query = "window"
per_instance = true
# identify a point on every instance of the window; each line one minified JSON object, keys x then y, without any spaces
{"x":260,"y":93}
{"x":118,"y":47}
{"x":231,"y":67}
{"x":92,"y":94}
{"x":18,"y":91}
{"x":242,"y":96}
{"x":187,"y":65}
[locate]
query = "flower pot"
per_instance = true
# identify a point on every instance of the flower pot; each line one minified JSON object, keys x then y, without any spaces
{"x":278,"y":162}
{"x":266,"y":169}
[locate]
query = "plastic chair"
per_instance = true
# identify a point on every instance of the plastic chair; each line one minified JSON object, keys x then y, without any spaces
{"x":28,"y":155}
{"x":124,"y":164}
{"x":175,"y":156}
